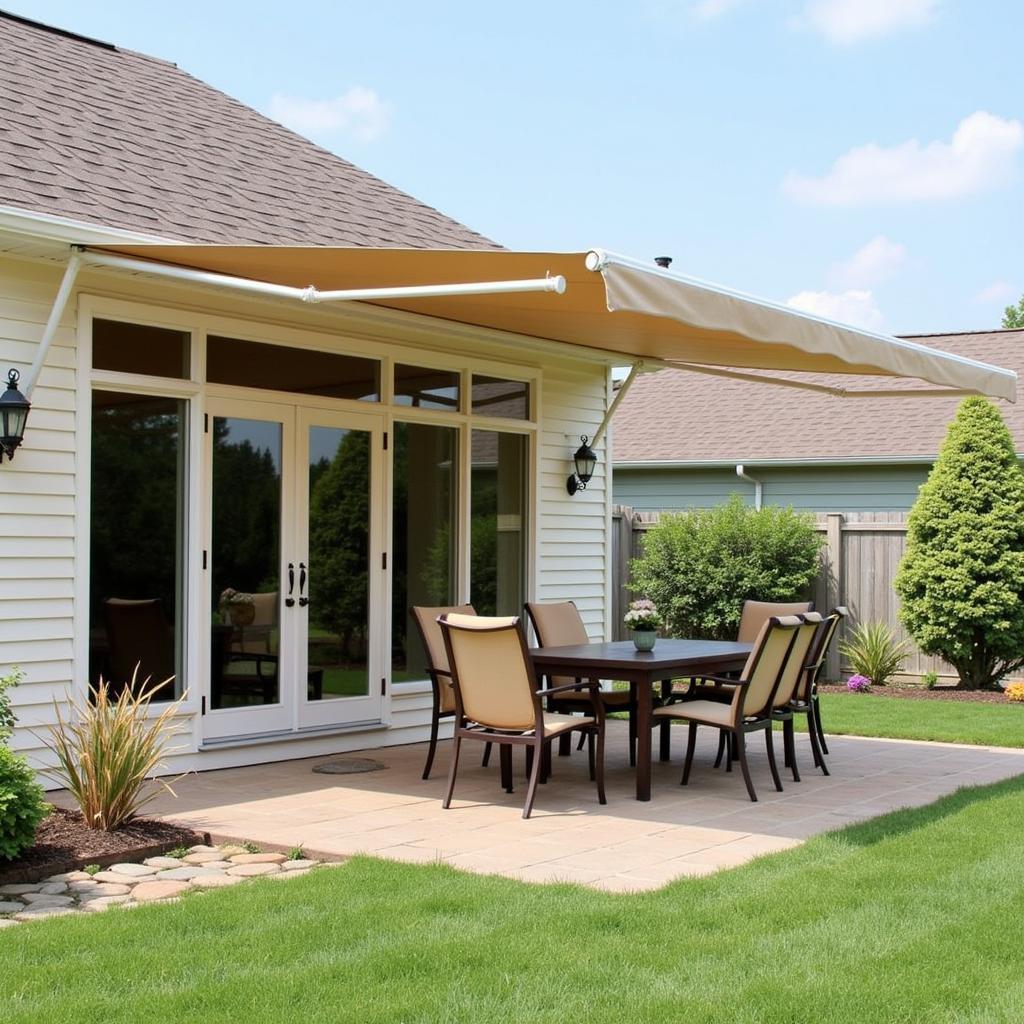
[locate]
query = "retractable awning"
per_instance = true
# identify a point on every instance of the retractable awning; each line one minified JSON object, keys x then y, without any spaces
{"x":633,"y":311}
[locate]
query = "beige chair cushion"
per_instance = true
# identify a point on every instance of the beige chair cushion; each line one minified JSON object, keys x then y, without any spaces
{"x":756,"y":613}
{"x":708,"y":711}
{"x":426,"y":618}
{"x":766,"y":662}
{"x":554,"y":724}
{"x":796,"y":661}
{"x":558,"y":623}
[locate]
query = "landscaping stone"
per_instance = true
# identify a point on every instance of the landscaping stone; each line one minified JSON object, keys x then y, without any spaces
{"x":70,"y":876}
{"x":104,"y":903}
{"x":298,"y":865}
{"x":254,"y":870}
{"x":19,"y":888}
{"x":116,"y":877}
{"x":200,"y":848}
{"x":184,"y":874}
{"x":41,"y":899}
{"x":11,"y":906}
{"x":133,"y":870}
{"x":162,"y":862}
{"x":101,"y":890}
{"x":220,"y":865}
{"x":231,"y":849}
{"x":38,"y":913}
{"x":291,"y":874}
{"x":149,"y":892}
{"x":53,"y":888}
{"x":258,"y":858}
{"x":202,"y":856}
{"x":215,"y":881}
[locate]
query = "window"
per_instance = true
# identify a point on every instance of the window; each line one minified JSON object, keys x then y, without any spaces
{"x":508,"y":399}
{"x":426,"y":389}
{"x":135,"y":348}
{"x":425,"y":537}
{"x":253,"y":364}
{"x":497,"y":533}
{"x":136,"y":593}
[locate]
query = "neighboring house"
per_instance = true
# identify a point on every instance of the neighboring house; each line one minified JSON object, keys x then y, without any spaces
{"x":239,"y":480}
{"x":680,"y":436}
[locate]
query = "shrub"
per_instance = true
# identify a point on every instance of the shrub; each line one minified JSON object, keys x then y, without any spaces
{"x":858,"y":684}
{"x":874,"y":651}
{"x":7,"y":682}
{"x":1015,"y":692}
{"x":108,"y":750}
{"x":961,"y":580}
{"x":930,"y":680}
{"x":22,"y":806}
{"x":699,"y":567}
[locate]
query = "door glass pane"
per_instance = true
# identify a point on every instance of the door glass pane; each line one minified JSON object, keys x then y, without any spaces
{"x":494,"y":396}
{"x":426,"y":389}
{"x":137,"y":572}
{"x":424,"y":543}
{"x":339,"y":563}
{"x":139,"y":348}
{"x":245,"y":563}
{"x":497,"y":526}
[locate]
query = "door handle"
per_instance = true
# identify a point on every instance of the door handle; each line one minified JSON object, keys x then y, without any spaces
{"x":303,"y":601}
{"x":289,"y":601}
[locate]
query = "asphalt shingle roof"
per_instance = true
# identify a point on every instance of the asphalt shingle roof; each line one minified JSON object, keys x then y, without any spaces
{"x":95,"y":133}
{"x":680,"y":416}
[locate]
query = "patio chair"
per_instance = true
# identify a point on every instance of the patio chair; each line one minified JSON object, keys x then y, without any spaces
{"x":805,"y":699}
{"x":437,"y":667}
{"x":752,"y":703}
{"x":558,"y":624}
{"x":141,"y":644}
{"x":497,"y":701}
{"x":756,"y":613}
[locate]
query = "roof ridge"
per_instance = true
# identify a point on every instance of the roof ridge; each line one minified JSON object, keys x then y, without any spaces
{"x":57,"y":31}
{"x":959,"y":334}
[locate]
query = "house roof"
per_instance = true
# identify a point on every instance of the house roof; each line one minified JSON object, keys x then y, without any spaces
{"x":675,"y":416}
{"x":96,"y":133}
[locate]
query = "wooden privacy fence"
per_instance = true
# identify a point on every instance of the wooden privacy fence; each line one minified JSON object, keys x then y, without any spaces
{"x":859,"y":558}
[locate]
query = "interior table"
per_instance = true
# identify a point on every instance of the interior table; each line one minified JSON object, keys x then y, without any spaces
{"x":670,"y":659}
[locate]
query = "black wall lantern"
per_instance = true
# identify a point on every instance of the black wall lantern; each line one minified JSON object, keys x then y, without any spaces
{"x":585,"y":459}
{"x":14,"y":407}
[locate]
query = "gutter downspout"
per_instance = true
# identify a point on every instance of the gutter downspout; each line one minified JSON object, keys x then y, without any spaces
{"x":53,"y":321}
{"x":758,"y":486}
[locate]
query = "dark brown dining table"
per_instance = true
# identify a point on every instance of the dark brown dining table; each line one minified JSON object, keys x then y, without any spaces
{"x":620,"y":660}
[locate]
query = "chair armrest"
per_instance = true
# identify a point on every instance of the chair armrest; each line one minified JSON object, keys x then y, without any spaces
{"x":723,"y":680}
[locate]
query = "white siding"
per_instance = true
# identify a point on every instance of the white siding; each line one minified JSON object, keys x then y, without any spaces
{"x":37,"y":524}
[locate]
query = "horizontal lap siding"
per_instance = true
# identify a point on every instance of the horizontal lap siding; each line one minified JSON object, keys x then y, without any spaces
{"x":572,"y":530}
{"x":37,"y":507}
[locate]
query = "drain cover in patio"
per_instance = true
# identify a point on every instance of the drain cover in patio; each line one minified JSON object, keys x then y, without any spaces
{"x":348,"y":766}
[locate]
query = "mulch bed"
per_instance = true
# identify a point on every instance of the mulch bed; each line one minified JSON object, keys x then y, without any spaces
{"x":920,"y":693}
{"x":65,"y":843}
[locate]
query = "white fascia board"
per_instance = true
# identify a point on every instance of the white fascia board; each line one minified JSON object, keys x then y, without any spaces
{"x":49,"y":227}
{"x":730,"y":464}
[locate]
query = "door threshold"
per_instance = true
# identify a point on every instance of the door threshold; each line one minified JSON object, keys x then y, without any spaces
{"x":288,"y":735}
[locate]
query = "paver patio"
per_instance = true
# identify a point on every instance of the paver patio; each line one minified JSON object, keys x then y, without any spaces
{"x":624,"y":845}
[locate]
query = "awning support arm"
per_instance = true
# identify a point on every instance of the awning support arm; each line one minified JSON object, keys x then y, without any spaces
{"x":551,"y":283}
{"x":756,"y":378}
{"x":52,"y":323}
{"x":624,"y":387}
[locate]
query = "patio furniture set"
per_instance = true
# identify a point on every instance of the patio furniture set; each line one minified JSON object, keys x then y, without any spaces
{"x":485,"y":677}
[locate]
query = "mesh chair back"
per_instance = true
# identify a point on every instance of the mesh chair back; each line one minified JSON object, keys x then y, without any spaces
{"x":796,"y":661}
{"x":764,"y":666}
{"x":557,"y":624}
{"x":490,"y":671}
{"x":756,"y":613}
{"x":819,"y":650}
{"x":433,"y":643}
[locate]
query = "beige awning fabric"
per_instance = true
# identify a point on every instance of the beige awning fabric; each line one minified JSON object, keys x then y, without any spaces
{"x":613,"y":304}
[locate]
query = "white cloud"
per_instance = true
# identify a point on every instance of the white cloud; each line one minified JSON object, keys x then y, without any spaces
{"x":981,"y":155}
{"x":856,"y":307}
{"x":360,"y":113}
{"x":997,"y":291}
{"x":871,"y":264}
{"x":850,"y":21}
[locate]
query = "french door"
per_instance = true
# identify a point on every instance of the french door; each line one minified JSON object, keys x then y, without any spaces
{"x":294,"y":569}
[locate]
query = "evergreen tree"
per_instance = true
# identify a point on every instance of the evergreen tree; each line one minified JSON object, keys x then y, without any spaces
{"x":961,"y":580}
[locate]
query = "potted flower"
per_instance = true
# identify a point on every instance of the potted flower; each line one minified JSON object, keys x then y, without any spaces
{"x":238,"y":607}
{"x":643,"y":619}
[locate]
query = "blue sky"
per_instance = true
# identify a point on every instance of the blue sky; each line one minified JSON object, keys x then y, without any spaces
{"x":861,"y":158}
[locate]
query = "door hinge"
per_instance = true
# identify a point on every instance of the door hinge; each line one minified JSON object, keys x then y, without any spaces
{"x":385,"y":440}
{"x":203,"y":710}
{"x":204,"y":558}
{"x":206,"y":422}
{"x":384,"y":561}
{"x":383,"y":687}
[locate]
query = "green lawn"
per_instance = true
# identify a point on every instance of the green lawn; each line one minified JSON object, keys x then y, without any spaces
{"x":916,"y":916}
{"x":950,"y":721}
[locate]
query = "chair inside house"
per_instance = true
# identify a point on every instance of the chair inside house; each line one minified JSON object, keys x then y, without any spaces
{"x":497,"y":701}
{"x":257,"y":636}
{"x":437,"y":667}
{"x":751,"y":705}
{"x":141,"y":645}
{"x":805,"y":699}
{"x":559,"y":624}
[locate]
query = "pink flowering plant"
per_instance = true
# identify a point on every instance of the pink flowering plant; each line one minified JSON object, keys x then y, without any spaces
{"x":858,"y":684}
{"x":642,"y":615}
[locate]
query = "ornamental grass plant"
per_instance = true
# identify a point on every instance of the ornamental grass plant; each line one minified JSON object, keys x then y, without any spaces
{"x":874,"y":651}
{"x":109,"y":749}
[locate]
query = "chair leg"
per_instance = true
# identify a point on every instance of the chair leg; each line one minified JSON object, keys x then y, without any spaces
{"x":721,"y":748}
{"x":432,"y":748}
{"x":582,"y":740}
{"x":770,"y":747}
{"x":452,"y":769}
{"x":817,"y":722}
{"x":529,"y":761}
{"x":789,"y":744}
{"x":601,"y":798}
{"x":665,"y":740}
{"x":819,"y":760}
{"x":505,"y":757}
{"x":545,"y":767}
{"x":741,"y":755}
{"x":632,"y":736}
{"x":535,"y":760}
{"x":691,"y":744}
{"x":564,"y":745}
{"x":487,"y":755}
{"x":590,"y":754}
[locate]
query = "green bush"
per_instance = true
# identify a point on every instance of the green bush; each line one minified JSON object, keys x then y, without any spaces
{"x":874,"y":651}
{"x":961,"y":580}
{"x":7,"y":682}
{"x":22,"y":806}
{"x":699,"y":567}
